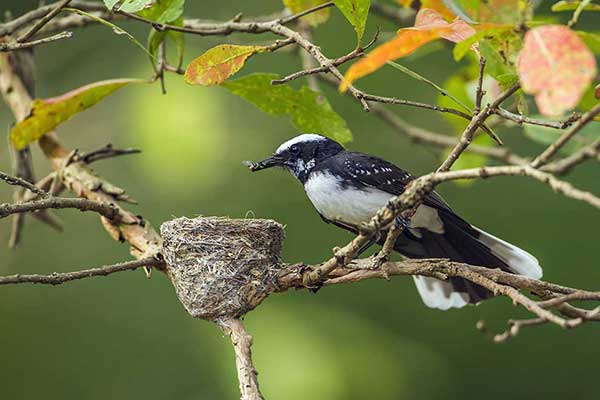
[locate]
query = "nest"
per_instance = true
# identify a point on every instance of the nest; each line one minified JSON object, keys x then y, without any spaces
{"x":222,"y":267}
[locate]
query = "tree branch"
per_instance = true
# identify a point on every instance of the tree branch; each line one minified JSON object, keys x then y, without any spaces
{"x":521,"y":119}
{"x":43,"y":21}
{"x":59,"y":278}
{"x":565,"y":137}
{"x":16,"y":181}
{"x":564,"y":165}
{"x":107,"y":210}
{"x":471,"y":129}
{"x":242,"y":343}
{"x":18,"y":46}
{"x":77,"y":176}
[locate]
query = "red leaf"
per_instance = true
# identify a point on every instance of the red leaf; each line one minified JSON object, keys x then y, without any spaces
{"x":556,"y":67}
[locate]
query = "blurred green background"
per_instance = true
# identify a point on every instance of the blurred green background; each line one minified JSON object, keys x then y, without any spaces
{"x":128,"y":337}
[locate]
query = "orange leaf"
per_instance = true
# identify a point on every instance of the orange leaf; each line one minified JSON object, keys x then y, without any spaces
{"x":431,"y":19}
{"x":402,"y":45}
{"x":556,"y":67}
{"x":218,"y":64}
{"x":429,"y":25}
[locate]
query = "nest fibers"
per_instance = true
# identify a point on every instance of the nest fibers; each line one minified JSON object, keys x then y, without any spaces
{"x":222,"y":267}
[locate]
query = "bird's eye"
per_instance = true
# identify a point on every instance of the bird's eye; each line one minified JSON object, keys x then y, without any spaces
{"x":295,"y":150}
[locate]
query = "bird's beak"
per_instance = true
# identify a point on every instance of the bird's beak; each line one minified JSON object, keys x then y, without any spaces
{"x":268,"y":162}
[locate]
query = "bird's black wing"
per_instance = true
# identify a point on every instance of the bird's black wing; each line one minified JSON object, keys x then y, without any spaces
{"x":377,"y":173}
{"x":455,"y":239}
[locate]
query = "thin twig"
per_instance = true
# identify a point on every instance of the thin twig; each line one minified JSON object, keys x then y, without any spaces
{"x":469,"y":132}
{"x":37,"y":42}
{"x":337,"y":62}
{"x":554,"y":183}
{"x":103,"y":153}
{"x":14,"y":25}
{"x":521,"y":119}
{"x":292,"y":18}
{"x":107,"y":210}
{"x":43,"y":21}
{"x":59,"y":278}
{"x":515,"y":328}
{"x":565,"y":164}
{"x":420,"y":135}
{"x":16,"y":181}
{"x":565,"y":137}
{"x":480,"y":92}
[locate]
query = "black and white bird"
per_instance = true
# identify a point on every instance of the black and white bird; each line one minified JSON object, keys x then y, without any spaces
{"x":347,"y":189}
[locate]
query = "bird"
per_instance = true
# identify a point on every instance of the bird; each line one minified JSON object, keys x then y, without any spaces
{"x":348,"y":188}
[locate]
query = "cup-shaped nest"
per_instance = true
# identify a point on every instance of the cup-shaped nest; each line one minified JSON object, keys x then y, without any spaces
{"x":222,"y":267}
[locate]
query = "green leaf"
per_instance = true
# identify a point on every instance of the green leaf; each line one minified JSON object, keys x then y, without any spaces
{"x":462,"y":48}
{"x":46,"y":114}
{"x":218,"y":64}
{"x":507,"y":80}
{"x":132,"y":6}
{"x":308,"y":110}
{"x":588,"y":100}
{"x":591,"y":40}
{"x":573,"y":5}
{"x":356,"y":12}
{"x":155,"y":38}
{"x":497,"y":64}
{"x":110,"y":3}
{"x":165,"y":12}
{"x":547,"y":136}
{"x":315,"y":18}
{"x":179,"y":39}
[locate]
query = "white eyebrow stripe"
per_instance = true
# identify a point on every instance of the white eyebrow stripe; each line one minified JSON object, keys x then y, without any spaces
{"x":307,"y":137}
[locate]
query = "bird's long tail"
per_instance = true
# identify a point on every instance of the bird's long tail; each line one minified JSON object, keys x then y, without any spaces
{"x":459,"y":241}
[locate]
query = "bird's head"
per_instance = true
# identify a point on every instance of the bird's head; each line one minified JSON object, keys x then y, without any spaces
{"x":300,"y":155}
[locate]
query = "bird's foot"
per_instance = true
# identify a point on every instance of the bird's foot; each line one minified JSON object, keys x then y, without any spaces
{"x":378,"y":259}
{"x":307,"y":271}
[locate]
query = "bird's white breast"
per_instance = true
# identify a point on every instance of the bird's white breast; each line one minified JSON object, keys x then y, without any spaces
{"x":353,"y":206}
{"x":348,"y":205}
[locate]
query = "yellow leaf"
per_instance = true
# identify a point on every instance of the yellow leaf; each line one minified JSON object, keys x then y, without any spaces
{"x":46,"y":114}
{"x":315,"y":18}
{"x":218,"y":64}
